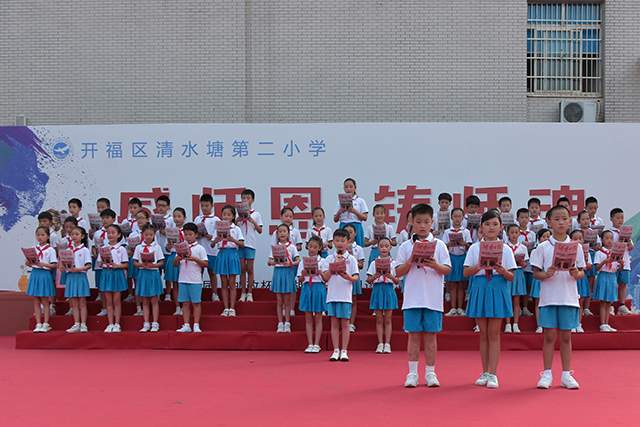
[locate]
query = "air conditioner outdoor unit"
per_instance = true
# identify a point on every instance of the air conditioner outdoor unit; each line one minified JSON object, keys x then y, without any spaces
{"x":578,"y":111}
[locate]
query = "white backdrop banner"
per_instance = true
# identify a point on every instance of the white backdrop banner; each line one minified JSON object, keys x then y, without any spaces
{"x":304,"y":165}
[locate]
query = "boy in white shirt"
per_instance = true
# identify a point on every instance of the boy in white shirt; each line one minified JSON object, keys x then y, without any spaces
{"x":624,"y":276}
{"x":163,"y":207}
{"x":251,"y":227}
{"x":536,"y":222}
{"x":339,"y":290}
{"x":204,"y":239}
{"x":559,"y":300}
{"x":422,"y":304}
{"x":190,"y":278}
{"x":444,"y":204}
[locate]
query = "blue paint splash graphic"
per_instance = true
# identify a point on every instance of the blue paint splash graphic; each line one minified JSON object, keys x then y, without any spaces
{"x":22,"y":183}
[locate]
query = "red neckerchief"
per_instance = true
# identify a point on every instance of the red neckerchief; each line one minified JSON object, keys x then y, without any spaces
{"x":593,"y":220}
{"x":41,"y":249}
{"x":532,"y":220}
{"x":318,"y":230}
{"x":607,"y":253}
{"x":145,"y":247}
{"x":190,"y":246}
{"x":310,"y":275}
{"x":245,"y":221}
{"x":180,"y":235}
{"x":77,"y":248}
{"x":525,"y":233}
{"x":104,"y":232}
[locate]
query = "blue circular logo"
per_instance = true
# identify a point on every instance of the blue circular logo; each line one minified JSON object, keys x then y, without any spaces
{"x":61,"y":150}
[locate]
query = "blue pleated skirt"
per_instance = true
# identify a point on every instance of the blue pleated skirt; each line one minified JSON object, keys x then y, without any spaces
{"x":282,"y":281}
{"x":112,"y":280}
{"x":490,"y":299}
{"x":383,"y":297}
{"x":228,"y":262}
{"x":359,"y":232}
{"x":171,"y":272}
{"x":40,"y":283}
{"x":356,"y":287}
{"x":76,"y":285}
{"x":457,"y":269}
{"x":375,"y":253}
{"x":583,"y":287}
{"x":148,"y":283}
{"x":606,"y":287}
{"x":313,"y":298}
{"x":535,"y":288}
{"x":132,"y":271}
{"x":592,"y":271}
{"x":519,"y":283}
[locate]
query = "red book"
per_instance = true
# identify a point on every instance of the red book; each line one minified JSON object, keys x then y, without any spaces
{"x":134,"y":241}
{"x":456,"y":240}
{"x":617,"y":251}
{"x":30,"y":254}
{"x":444,"y":220}
{"x":423,"y":251}
{"x":158,"y":221}
{"x":490,"y":254}
{"x":243,"y":209}
{"x":473,"y":220}
{"x":202,"y":230}
{"x":95,"y":222}
{"x":345,"y":200}
{"x":379,"y":231}
{"x":519,"y":259}
{"x":147,"y":257}
{"x":66,"y":257}
{"x":310,"y":265}
{"x":172,"y":233}
{"x":383,"y":266}
{"x":564,"y":255}
{"x":223,"y":229}
{"x":337,"y":267}
{"x":507,"y":218}
{"x":182,"y":249}
{"x":105,"y":255}
{"x":625,"y":234}
{"x":126,"y":228}
{"x":279,"y":254}
{"x":590,"y":236}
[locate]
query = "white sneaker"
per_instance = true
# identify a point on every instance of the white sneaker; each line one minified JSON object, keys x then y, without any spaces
{"x":243,"y":297}
{"x":526,"y":312}
{"x":232,"y":312}
{"x":102,"y":313}
{"x":612,"y":311}
{"x":476,"y":329}
{"x":280,"y":328}
{"x":38,"y":328}
{"x":452,"y":312}
{"x":579,"y":329}
{"x":546,"y":378}
{"x":146,"y":327}
{"x":178,"y":312}
{"x":108,"y":329}
{"x":167,"y":297}
{"x":507,"y":328}
{"x":316,"y":349}
{"x":352,"y":327}
{"x":461,"y":312}
{"x":83,"y":328}
{"x":587,"y":312}
{"x":116,"y":328}
{"x":607,"y":328}
{"x":623,"y":310}
{"x":344,"y":357}
{"x":492,"y":381}
{"x":45,"y":327}
{"x":292,"y":313}
{"x":69,"y":312}
{"x":387,"y":348}
{"x":225,"y":313}
{"x":74,"y":329}
{"x":335,"y":355}
{"x":574,"y":330}
{"x":380,"y":348}
{"x":432,"y":379}
{"x":139,"y":311}
{"x":539,"y":330}
{"x":310,"y":349}
{"x":411,"y":381}
{"x":515,"y":328}
{"x":215,"y":297}
{"x":287,"y":327}
{"x":186,"y":328}
{"x":196,"y":328}
{"x":99,"y":298}
{"x":155,"y":326}
{"x":52,"y":310}
{"x":129,"y":298}
{"x":249,"y":298}
{"x":569,"y":382}
{"x":482,"y":379}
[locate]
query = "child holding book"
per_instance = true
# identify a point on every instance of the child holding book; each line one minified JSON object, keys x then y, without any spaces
{"x":284,"y":257}
{"x":406,"y":233}
{"x":355,"y":213}
{"x":108,"y":217}
{"x":536,"y":222}
{"x":141,"y":220}
{"x":148,"y":258}
{"x":458,"y":240}
{"x":442,"y":218}
{"x":322,"y":231}
{"x":490,"y":296}
{"x":617,"y":221}
{"x":339,"y":271}
{"x":358,"y":253}
{"x":378,"y":230}
{"x":382,"y":276}
{"x":75,"y":210}
{"x":528,"y":239}
{"x":542,"y":236}
{"x":228,"y":258}
{"x":191,"y":263}
{"x":559,"y":305}
{"x":519,"y":283}
{"x":171,"y":271}
{"x":472,"y":216}
{"x":41,"y":286}
{"x":423,"y":305}
{"x":313,"y":295}
{"x":113,"y":260}
{"x":250,"y":223}
{"x":76,"y":282}
{"x":584,"y":291}
{"x":134,"y":206}
{"x":206,"y":223}
{"x":163,"y":211}
{"x":286,"y":216}
{"x":591,"y":237}
{"x":606,"y":290}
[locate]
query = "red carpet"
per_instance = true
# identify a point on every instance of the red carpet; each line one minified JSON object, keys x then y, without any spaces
{"x":161,"y":388}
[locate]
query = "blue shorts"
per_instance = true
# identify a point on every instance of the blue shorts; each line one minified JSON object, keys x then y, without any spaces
{"x":624,"y":276}
{"x":340,"y":310}
{"x":418,"y":320}
{"x":247,"y":253}
{"x":190,"y":292}
{"x":211,"y":263}
{"x":561,"y":317}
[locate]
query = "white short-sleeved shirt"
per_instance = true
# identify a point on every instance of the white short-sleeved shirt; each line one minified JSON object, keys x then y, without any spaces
{"x":64,"y":243}
{"x":234,"y":232}
{"x":561,"y":288}
{"x":602,"y":254}
{"x":133,"y":223}
{"x":388,"y":232}
{"x":210,"y":225}
{"x":81,"y":256}
{"x":338,"y":288}
{"x":473,"y":258}
{"x":46,"y":254}
{"x":316,"y":278}
{"x":403,"y":236}
{"x":249,"y":230}
{"x":161,"y":238}
{"x":371,"y":271}
{"x":358,"y":204}
{"x":294,"y":236}
{"x":190,"y":271}
{"x":527,"y":236}
{"x":82,"y":222}
{"x":292,"y":252}
{"x":119,"y":255}
{"x":100,"y":237}
{"x":153,"y":247}
{"x":519,"y":249}
{"x":466,"y":236}
{"x":423,"y":286}
{"x":324,"y":232}
{"x":54,"y":237}
{"x":357,"y":251}
{"x":472,"y":231}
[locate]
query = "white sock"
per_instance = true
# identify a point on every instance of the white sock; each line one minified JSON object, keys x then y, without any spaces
{"x":413,"y":368}
{"x":566,"y":373}
{"x":430,"y":369}
{"x":547,"y":372}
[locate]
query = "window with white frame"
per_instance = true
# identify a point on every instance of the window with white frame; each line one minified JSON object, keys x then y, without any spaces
{"x":564,"y":49}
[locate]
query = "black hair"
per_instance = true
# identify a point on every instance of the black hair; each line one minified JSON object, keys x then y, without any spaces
{"x":472,"y":200}
{"x":340,"y":232}
{"x":611,"y":214}
{"x":317,"y":240}
{"x":556,"y":208}
{"x":70,"y":219}
{"x":384,"y":238}
{"x":233,"y":211}
{"x":379,"y":206}
{"x":147,"y":227}
{"x":278,"y":228}
{"x":84,"y":239}
{"x":456,"y":210}
{"x":533,"y":200}
{"x":582,"y":212}
{"x":46,"y":230}
{"x":491,"y":214}
{"x":504,"y":199}
{"x":541,"y":232}
{"x":76,"y":202}
{"x":45,"y":215}
{"x":190,"y":226}
{"x":606,"y":232}
{"x":118,"y":229}
{"x":575,"y":232}
{"x":164,"y":198}
{"x":352,"y":180}
{"x":108,"y":212}
{"x":563,"y":199}
{"x":105,"y":201}
{"x":590,"y":200}
{"x":248,"y":192}
{"x":522,"y":211}
{"x":313,"y":211}
{"x":445,"y":196}
{"x":135,"y":201}
{"x":182,"y":211}
{"x":510,"y":226}
{"x":422,"y":209}
{"x":351,"y":226}
{"x":206,"y":198}
{"x":143,"y":212}
{"x":283,"y":210}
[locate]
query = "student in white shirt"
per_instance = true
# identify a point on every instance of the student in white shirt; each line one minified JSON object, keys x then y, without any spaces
{"x":584,"y":292}
{"x":134,"y":207}
{"x":455,"y":280}
{"x":163,"y":207}
{"x":41,"y":286}
{"x":251,"y":227}
{"x":406,"y":233}
{"x":536,"y":223}
{"x":113,"y":280}
{"x":422,"y":304}
{"x":171,"y":270}
{"x":442,"y":218}
{"x":339,"y":293}
{"x":283,"y":284}
{"x":46,"y":219}
{"x":559,"y":305}
{"x":528,"y":239}
{"x":108,"y":217}
{"x":490,"y":296}
{"x":190,"y":279}
{"x":76,"y":282}
{"x":379,"y":216}
{"x":606,"y":290}
{"x":472,"y":207}
{"x":322,"y":231}
{"x":584,"y":225}
{"x":148,"y":280}
{"x":313,"y":295}
{"x":228,"y":260}
{"x":591,"y":206}
{"x":75,"y":208}
{"x":295,"y":238}
{"x":358,"y":253}
{"x":209,"y":219}
{"x":519,"y":282}
{"x":141,"y":220}
{"x":356,"y":214}
{"x":624,"y":276}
